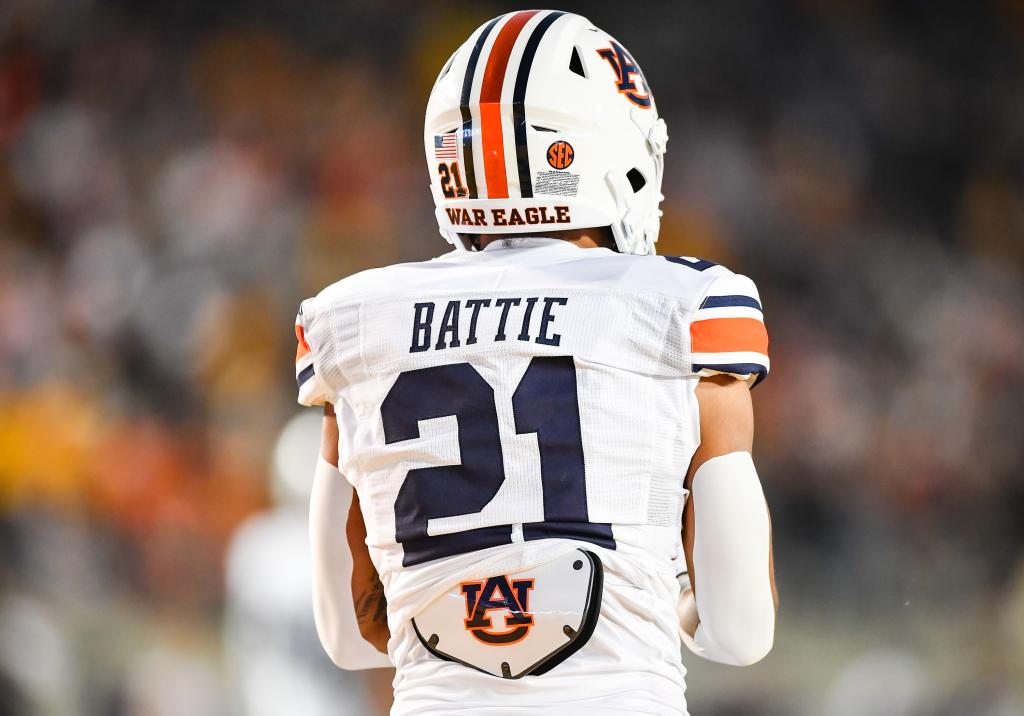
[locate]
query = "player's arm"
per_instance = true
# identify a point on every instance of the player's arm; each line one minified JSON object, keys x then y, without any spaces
{"x":348,"y":599}
{"x":729,"y":614}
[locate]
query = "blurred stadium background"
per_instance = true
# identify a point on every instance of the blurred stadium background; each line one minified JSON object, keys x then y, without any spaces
{"x":175,"y":177}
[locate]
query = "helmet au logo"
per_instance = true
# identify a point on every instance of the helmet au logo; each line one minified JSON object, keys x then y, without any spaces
{"x":626,"y":71}
{"x":560,"y":155}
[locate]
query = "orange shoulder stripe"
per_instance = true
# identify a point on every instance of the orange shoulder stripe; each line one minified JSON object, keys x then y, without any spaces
{"x":728,"y":335}
{"x":303,"y":347}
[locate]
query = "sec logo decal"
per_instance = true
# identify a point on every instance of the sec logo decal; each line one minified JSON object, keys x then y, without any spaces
{"x":560,"y":155}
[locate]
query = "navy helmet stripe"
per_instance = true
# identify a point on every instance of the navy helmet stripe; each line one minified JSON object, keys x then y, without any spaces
{"x":731,"y":301}
{"x":519,"y":97}
{"x":467,"y":116}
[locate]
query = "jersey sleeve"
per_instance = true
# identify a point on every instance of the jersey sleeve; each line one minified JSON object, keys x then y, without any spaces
{"x":313,"y":389}
{"x":727,"y":332}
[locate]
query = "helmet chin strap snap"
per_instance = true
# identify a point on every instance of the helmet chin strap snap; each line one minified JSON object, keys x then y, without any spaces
{"x":656,"y":132}
{"x":657,"y":137}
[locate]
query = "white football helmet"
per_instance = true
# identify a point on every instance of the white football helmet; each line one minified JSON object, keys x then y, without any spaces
{"x":541,"y":121}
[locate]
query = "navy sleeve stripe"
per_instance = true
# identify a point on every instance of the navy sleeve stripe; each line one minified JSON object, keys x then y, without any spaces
{"x":695,"y":264}
{"x":730,"y":301}
{"x":739,"y":368}
{"x":305,"y":374}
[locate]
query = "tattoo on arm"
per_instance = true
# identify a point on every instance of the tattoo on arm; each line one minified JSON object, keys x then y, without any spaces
{"x":371,"y":605}
{"x":372,"y":614}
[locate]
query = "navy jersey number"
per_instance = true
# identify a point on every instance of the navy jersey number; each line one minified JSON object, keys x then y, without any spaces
{"x":545,"y":402}
{"x":428,"y":492}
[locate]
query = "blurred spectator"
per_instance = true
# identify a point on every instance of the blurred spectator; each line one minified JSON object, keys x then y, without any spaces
{"x":275,"y":662}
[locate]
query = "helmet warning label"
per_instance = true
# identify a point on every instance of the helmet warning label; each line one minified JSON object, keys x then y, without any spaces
{"x":556,"y":183}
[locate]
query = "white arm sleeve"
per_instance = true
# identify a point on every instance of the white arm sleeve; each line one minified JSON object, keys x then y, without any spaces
{"x":333,"y":610}
{"x":730,"y":562}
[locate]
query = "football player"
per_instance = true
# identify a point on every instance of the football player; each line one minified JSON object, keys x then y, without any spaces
{"x":524,"y":419}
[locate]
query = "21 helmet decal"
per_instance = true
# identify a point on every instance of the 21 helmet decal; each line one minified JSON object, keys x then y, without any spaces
{"x":522,"y":84}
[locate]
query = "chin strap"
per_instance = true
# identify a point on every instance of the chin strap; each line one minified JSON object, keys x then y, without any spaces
{"x":625,"y":230}
{"x":453,"y":238}
{"x":657,"y":141}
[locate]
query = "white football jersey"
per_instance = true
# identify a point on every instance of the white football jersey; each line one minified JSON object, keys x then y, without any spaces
{"x":502,"y":407}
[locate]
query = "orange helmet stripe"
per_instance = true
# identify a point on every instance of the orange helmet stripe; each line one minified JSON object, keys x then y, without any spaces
{"x":490,"y":104}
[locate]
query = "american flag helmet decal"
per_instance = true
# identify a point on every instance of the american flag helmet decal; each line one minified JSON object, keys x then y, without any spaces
{"x":445,"y":147}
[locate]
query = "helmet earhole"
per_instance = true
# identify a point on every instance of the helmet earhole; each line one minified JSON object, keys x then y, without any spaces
{"x":636,"y":179}
{"x":576,"y":63}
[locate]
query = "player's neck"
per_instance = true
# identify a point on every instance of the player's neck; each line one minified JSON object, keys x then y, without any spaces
{"x":592,"y":238}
